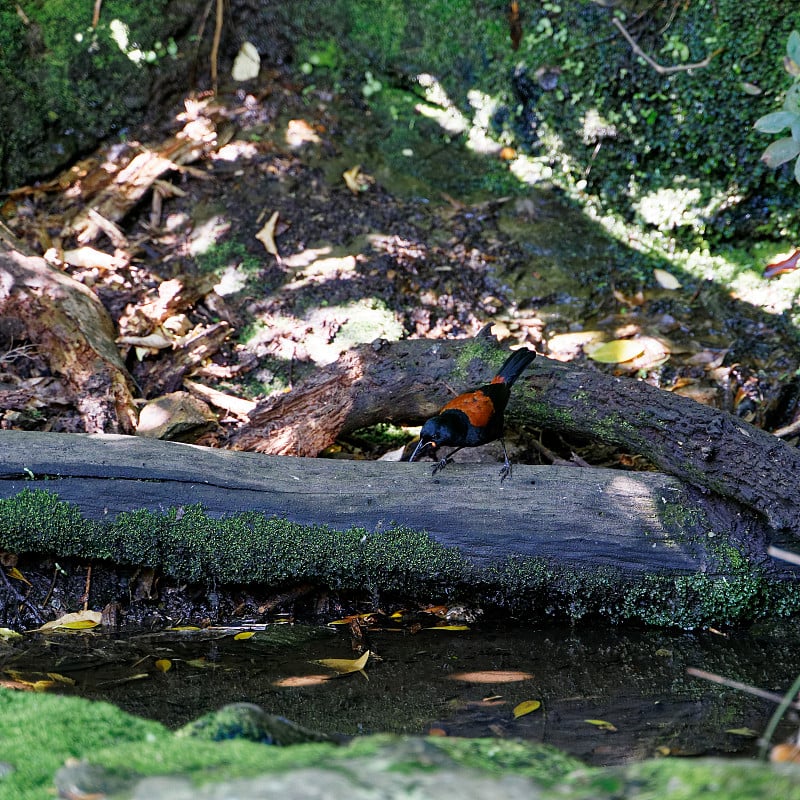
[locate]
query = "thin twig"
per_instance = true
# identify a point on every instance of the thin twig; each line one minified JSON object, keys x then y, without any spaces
{"x":96,"y":13}
{"x":786,"y":702}
{"x":85,"y":597}
{"x":215,"y":45}
{"x":786,"y":555}
{"x":660,"y":68}
{"x":742,"y":687}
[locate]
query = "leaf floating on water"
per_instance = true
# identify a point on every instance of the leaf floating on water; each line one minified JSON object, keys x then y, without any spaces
{"x":344,"y":666}
{"x":448,"y":628}
{"x":617,"y":351}
{"x":7,"y":635}
{"x":666,"y":280}
{"x":367,"y":617}
{"x":749,"y":732}
{"x":602,"y":725}
{"x":79,"y":625}
{"x":244,"y":635}
{"x":525,"y":707}
{"x":163,"y":665}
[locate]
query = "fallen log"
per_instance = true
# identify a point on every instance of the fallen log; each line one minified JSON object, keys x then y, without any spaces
{"x":409,"y":380}
{"x":564,"y":539}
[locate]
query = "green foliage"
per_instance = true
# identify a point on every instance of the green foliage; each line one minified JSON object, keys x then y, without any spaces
{"x":611,"y":128}
{"x":787,"y":147}
{"x":64,"y":86}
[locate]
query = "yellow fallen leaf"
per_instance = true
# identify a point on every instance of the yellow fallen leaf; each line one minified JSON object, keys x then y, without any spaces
{"x":351,"y":178}
{"x":525,"y":707}
{"x":666,"y":280}
{"x":78,"y":625}
{"x":58,"y":678}
{"x":18,"y":576}
{"x":31,"y":685}
{"x":267,"y":235}
{"x":184,"y":628}
{"x":602,"y":724}
{"x":6,"y":634}
{"x":163,"y":665}
{"x":78,"y":620}
{"x":749,"y":732}
{"x":344,"y":666}
{"x":347,"y":620}
{"x":448,"y":628}
{"x":244,"y":635}
{"x":616,"y":351}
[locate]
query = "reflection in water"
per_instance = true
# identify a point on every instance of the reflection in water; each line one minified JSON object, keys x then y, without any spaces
{"x":455,"y":683}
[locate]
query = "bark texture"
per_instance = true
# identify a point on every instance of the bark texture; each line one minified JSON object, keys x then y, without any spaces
{"x":409,"y":381}
{"x":635,"y":523}
{"x":70,"y":327}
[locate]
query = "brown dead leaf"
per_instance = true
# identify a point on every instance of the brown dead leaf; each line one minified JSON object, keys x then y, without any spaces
{"x":267,"y":236}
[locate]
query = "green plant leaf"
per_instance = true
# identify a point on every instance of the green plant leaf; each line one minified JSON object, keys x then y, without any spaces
{"x":791,"y":102}
{"x":780,"y":152}
{"x":793,"y":47}
{"x":775,"y":122}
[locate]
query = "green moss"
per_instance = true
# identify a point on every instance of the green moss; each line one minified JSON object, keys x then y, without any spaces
{"x":41,"y":732}
{"x":66,"y":85}
{"x":250,"y":548}
{"x":189,"y":545}
{"x":224,"y":255}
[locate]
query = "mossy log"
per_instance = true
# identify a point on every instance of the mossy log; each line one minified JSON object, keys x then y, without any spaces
{"x":409,"y":380}
{"x":628,"y":544}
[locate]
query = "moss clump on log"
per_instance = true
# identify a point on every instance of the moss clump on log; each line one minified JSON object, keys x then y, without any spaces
{"x":189,"y":545}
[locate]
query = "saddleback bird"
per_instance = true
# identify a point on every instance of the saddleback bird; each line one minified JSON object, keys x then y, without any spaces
{"x":474,"y":418}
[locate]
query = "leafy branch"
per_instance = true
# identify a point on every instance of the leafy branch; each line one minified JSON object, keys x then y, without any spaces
{"x":787,"y":147}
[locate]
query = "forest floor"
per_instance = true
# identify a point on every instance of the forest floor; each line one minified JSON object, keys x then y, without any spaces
{"x":296,"y":235}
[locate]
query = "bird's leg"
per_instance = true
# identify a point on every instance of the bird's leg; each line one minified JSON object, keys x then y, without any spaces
{"x":442,"y":463}
{"x":506,"y":471}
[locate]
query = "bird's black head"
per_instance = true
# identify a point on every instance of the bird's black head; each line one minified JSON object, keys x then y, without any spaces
{"x":446,"y":430}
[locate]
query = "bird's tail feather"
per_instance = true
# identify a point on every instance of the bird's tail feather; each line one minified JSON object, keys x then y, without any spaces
{"x":514,"y":366}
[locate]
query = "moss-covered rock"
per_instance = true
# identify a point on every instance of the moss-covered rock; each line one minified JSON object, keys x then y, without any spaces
{"x":119,"y":756}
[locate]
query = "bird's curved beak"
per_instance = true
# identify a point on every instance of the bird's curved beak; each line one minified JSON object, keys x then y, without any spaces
{"x":420,"y":447}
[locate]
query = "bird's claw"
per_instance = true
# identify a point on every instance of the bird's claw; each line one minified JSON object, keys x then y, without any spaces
{"x":505,"y":472}
{"x":440,"y":465}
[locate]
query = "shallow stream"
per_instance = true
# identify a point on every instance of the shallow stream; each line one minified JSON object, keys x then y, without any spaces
{"x":446,"y":682}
